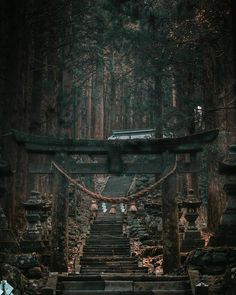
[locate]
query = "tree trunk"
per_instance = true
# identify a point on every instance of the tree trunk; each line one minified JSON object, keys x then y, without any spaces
{"x":99,"y":115}
{"x":159,"y":107}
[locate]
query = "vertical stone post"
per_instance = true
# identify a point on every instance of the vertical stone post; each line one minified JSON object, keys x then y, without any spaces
{"x":8,"y":242}
{"x":226,"y":232}
{"x":194,"y":174}
{"x":59,"y":256}
{"x":180,"y":214}
{"x":32,"y":239}
{"x":72,"y":201}
{"x":171,"y":253}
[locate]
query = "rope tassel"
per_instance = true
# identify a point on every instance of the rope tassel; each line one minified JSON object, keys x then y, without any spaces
{"x":110,"y":199}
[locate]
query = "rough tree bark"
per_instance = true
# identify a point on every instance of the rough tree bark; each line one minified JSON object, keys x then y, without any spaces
{"x":99,"y":107}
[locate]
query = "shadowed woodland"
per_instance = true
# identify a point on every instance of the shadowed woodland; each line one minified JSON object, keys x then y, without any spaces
{"x":78,"y":70}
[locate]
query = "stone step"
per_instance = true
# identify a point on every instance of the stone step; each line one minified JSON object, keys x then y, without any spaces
{"x":104,"y":228}
{"x":118,"y":265}
{"x":108,"y":227}
{"x":109,"y":263}
{"x":143,"y":278}
{"x":107,"y":237}
{"x":105,"y":232}
{"x":110,"y":247}
{"x":108,"y":222}
{"x":106,"y":253}
{"x":97,"y":235}
{"x":130,"y":285}
{"x":108,"y":259}
{"x":104,"y":246}
{"x":127,"y":285}
{"x":101,"y":216}
{"x":108,"y":219}
{"x":100,"y":292}
{"x":108,"y":242}
{"x":107,"y":247}
{"x":110,"y":250}
{"x":112,"y":224}
{"x":110,"y":267}
{"x":110,"y":271}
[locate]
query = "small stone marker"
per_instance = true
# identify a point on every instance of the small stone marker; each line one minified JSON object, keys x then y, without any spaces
{"x":5,"y":288}
{"x":201,"y":289}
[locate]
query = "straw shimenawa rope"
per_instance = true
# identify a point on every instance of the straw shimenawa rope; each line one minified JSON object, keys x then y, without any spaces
{"x":110,"y":199}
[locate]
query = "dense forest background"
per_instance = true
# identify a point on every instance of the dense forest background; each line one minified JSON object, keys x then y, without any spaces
{"x":81,"y":69}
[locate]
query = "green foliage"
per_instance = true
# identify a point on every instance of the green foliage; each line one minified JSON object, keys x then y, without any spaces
{"x":138,"y":42}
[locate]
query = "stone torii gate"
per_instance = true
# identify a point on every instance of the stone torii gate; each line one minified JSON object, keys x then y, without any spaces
{"x":58,"y":149}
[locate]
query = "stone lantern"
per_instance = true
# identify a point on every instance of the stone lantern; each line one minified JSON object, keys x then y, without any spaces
{"x":32,"y":239}
{"x":192,"y":237}
{"x":226,"y":232}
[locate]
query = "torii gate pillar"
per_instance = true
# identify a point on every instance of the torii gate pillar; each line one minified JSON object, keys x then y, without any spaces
{"x":59,"y":256}
{"x":171,"y":251}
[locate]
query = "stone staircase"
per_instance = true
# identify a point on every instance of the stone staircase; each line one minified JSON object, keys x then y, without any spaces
{"x":132,"y":284}
{"x":107,"y":266}
{"x":107,"y":250}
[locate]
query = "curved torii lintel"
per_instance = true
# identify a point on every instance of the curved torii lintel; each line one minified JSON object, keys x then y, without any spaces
{"x":51,"y":144}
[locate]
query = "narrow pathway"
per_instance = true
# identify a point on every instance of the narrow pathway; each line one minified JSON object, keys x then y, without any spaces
{"x":107,"y":250}
{"x":107,"y":266}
